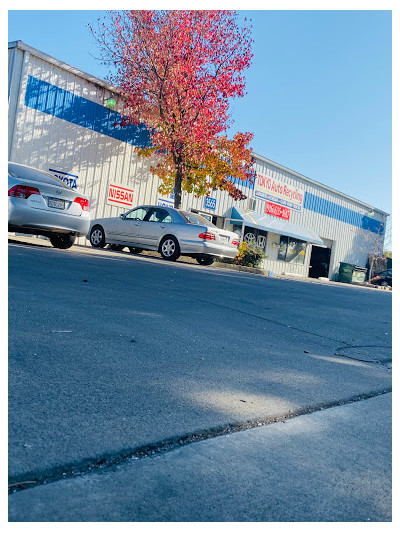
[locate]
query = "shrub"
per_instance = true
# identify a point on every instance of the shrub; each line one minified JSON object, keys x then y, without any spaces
{"x":250,"y":256}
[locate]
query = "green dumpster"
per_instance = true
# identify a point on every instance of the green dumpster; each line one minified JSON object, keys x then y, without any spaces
{"x":359,"y":274}
{"x":349,"y":273}
{"x":346,"y":272}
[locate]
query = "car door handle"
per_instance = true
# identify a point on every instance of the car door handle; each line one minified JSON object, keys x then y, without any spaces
{"x":162,"y":225}
{"x":137,"y":223}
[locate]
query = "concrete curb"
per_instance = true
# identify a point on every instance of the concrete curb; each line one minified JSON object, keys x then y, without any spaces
{"x":252,"y":270}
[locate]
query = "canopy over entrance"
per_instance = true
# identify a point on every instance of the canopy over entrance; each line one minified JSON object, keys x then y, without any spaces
{"x":272,"y":224}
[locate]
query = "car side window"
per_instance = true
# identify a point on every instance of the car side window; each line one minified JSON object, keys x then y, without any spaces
{"x":158,"y":215}
{"x":136,"y":214}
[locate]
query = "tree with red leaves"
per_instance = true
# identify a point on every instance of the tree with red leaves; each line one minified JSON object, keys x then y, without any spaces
{"x":176,"y":71}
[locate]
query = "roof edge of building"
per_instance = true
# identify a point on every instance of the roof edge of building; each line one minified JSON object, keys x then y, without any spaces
{"x":50,"y":59}
{"x":314,"y":182}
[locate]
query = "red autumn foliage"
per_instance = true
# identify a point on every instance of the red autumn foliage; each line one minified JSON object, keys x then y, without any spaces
{"x":177,"y":71}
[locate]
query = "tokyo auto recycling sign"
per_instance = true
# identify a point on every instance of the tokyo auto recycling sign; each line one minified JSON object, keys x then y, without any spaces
{"x":278,"y":192}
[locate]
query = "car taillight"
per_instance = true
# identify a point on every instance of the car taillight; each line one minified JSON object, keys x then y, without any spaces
{"x":207,"y":235}
{"x":84,"y":203}
{"x":235,"y":242}
{"x":22,"y":191}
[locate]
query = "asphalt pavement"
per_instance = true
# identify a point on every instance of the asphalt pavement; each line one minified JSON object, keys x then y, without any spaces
{"x":194,"y":392}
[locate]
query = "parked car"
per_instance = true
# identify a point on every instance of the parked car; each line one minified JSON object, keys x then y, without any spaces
{"x":41,"y":204}
{"x":169,"y":231}
{"x":382,"y":278}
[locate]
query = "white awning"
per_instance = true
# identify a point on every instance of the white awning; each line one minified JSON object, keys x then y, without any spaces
{"x":273,"y":224}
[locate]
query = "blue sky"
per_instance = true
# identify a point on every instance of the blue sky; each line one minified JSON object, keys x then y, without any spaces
{"x":318,"y":91}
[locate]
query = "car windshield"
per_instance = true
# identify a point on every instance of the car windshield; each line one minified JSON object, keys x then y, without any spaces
{"x":27,"y":173}
{"x":194,"y":218}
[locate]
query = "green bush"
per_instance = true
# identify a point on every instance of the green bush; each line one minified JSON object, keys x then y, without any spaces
{"x":249,"y":255}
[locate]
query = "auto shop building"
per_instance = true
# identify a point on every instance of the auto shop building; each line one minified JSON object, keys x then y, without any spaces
{"x":60,"y":121}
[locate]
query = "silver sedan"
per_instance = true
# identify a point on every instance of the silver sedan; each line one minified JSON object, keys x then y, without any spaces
{"x":169,"y":231}
{"x":41,"y":204}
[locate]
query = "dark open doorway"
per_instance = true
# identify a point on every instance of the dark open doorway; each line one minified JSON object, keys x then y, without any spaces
{"x":319,"y":262}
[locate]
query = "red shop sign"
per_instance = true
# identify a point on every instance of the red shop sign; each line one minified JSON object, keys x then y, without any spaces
{"x":277,"y":210}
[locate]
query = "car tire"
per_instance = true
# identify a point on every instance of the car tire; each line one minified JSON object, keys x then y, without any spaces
{"x":62,"y":240}
{"x":97,"y":237}
{"x":135,"y":250}
{"x":116,"y":247}
{"x":169,"y":248}
{"x":205,"y":261}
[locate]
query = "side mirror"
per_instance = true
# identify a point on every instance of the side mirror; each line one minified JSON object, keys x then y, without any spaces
{"x":122,"y":216}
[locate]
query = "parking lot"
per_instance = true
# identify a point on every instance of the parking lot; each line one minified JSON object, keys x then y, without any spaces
{"x":115,"y":360}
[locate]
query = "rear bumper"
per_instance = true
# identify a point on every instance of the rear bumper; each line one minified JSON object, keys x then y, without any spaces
{"x":28,"y":220}
{"x":208,"y":248}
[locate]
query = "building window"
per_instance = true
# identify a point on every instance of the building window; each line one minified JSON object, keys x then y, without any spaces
{"x":292,"y":250}
{"x":255,"y":237}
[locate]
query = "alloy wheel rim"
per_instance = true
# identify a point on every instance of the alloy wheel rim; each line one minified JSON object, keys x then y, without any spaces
{"x":96,"y":236}
{"x":168,"y":248}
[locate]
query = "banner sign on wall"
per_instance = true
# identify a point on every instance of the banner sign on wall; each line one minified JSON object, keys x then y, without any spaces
{"x":278,"y":192}
{"x":119,"y":195}
{"x":165,"y":203}
{"x":277,"y":210}
{"x":68,"y":179}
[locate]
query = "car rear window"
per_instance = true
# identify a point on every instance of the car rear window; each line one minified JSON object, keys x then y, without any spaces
{"x":194,"y":218}
{"x":27,"y":173}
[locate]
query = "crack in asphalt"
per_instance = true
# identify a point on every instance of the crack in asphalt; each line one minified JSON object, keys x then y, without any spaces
{"x":112,"y":460}
{"x":276,"y":322}
{"x":354,"y":346}
{"x":343,"y":343}
{"x":377,"y":361}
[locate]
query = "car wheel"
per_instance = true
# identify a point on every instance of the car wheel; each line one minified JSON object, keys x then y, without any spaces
{"x":116,"y":247}
{"x":97,"y":237}
{"x":205,"y":260}
{"x":62,"y":240}
{"x":169,"y":248}
{"x":135,"y":250}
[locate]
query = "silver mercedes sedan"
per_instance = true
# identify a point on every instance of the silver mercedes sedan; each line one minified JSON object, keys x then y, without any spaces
{"x":169,"y":231}
{"x":41,"y":204}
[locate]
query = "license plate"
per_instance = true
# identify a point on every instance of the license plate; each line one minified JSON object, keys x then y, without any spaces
{"x":223,"y":238}
{"x":58,"y":204}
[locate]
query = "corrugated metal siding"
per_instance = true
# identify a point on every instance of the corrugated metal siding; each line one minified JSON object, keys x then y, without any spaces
{"x":333,"y":217}
{"x":61,"y":123}
{"x":15,"y":69}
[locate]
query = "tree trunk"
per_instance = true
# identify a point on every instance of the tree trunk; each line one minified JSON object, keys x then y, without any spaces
{"x":178,"y":187}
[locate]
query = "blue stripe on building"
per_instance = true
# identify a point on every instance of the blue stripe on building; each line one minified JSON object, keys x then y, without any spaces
{"x":53,"y":100}
{"x":65,"y":105}
{"x":244,"y":183}
{"x":338,"y":212}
